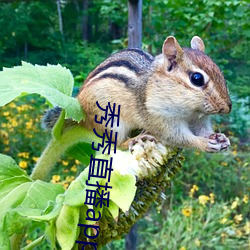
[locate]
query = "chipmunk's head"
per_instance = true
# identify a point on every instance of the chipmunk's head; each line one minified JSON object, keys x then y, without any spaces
{"x":198,"y":77}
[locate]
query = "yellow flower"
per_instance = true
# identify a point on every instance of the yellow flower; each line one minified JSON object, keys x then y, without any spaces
{"x":211,"y":195}
{"x":77,"y":162}
{"x":225,"y":207}
{"x":238,"y":218}
{"x":14,"y":123}
{"x":35,"y":159}
{"x":238,"y":233}
{"x":223,"y":220}
{"x":24,"y":154}
{"x":193,"y":190}
{"x":238,"y":159}
{"x":73,"y":168}
{"x":12,"y":105}
{"x":55,"y":178}
{"x":234,"y":152}
{"x":223,"y":235}
{"x":247,"y":227}
{"x":6,"y":149}
{"x":65,"y":185}
{"x":23,"y":107}
{"x":6,"y":141}
{"x":224,"y":164}
{"x":183,"y":248}
{"x":6,"y":113}
{"x":23,"y":164}
{"x":235,"y":203}
{"x":65,"y":163}
{"x":203,"y":199}
{"x":70,"y":178}
{"x":29,"y":124}
{"x":245,"y":199}
{"x":4,"y":134}
{"x":187,"y":211}
{"x":197,"y":242}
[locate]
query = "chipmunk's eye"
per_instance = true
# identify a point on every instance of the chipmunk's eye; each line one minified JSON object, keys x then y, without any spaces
{"x":197,"y":79}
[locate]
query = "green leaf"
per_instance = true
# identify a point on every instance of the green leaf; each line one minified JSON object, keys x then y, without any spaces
{"x":50,"y":234}
{"x":75,"y":195}
{"x":53,"y":82}
{"x":10,"y":222}
{"x":20,"y":197}
{"x":39,"y":194}
{"x":28,"y":200}
{"x":34,"y":243}
{"x":14,"y":198}
{"x":9,"y":168}
{"x":14,"y":223}
{"x":9,"y":184}
{"x":66,"y":226}
{"x":113,"y":209}
{"x":48,"y":216}
{"x":4,"y":240}
{"x":81,"y":151}
{"x":123,"y":189}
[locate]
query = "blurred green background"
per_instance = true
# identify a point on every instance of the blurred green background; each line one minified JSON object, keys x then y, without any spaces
{"x":207,"y":206}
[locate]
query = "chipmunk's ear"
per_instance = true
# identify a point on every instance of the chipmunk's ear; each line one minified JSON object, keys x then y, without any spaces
{"x":197,"y":43}
{"x":171,"y":49}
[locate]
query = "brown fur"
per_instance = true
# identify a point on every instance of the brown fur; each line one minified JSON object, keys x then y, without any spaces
{"x":156,"y":94}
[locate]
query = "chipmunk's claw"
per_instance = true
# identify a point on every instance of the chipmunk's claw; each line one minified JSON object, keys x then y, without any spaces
{"x":141,"y":139}
{"x":218,"y":142}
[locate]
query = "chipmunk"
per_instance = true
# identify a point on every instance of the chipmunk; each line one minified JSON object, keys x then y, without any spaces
{"x":169,"y":97}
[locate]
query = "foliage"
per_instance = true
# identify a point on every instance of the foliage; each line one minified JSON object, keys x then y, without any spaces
{"x":199,"y":223}
{"x":238,"y":120}
{"x":19,"y":127}
{"x":53,"y":82}
{"x":232,"y":166}
{"x":82,"y":58}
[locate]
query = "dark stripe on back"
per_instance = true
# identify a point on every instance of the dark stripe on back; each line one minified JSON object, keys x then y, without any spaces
{"x":118,"y":63}
{"x":142,"y":53}
{"x":118,"y":77}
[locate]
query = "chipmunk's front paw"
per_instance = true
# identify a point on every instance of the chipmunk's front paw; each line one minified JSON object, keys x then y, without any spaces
{"x":218,"y":142}
{"x":141,"y":139}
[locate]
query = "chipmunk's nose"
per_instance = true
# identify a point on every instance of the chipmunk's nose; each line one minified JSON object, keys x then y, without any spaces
{"x":227,"y":108}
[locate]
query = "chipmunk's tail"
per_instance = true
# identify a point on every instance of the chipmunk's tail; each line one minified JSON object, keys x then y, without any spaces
{"x":50,"y":118}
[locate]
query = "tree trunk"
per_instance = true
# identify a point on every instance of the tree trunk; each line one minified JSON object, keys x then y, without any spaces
{"x":131,"y":238}
{"x":26,"y":51}
{"x":59,"y":16}
{"x":135,"y":23}
{"x":85,"y":23}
